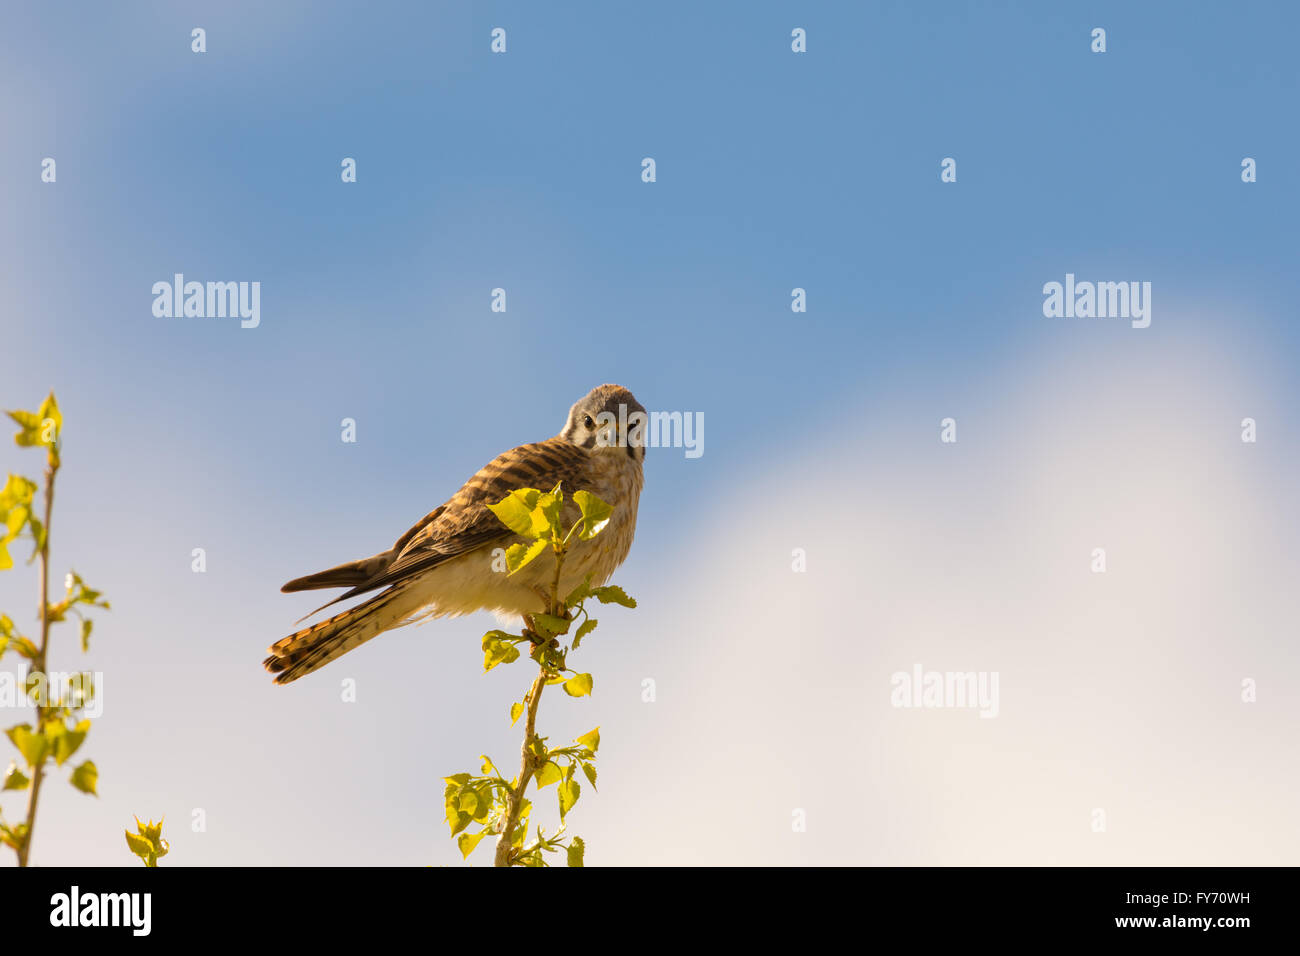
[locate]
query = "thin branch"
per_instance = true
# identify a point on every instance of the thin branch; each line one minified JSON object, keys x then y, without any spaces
{"x":556,"y":607}
{"x":527,"y":764}
{"x":38,"y":663}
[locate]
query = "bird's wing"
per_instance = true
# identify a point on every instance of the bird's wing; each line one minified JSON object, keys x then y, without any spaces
{"x":464,"y":523}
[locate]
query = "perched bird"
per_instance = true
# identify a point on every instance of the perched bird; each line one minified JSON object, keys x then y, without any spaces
{"x":445,"y":564}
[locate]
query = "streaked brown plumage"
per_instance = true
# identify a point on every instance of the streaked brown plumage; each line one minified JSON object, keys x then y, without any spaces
{"x":444,"y":564}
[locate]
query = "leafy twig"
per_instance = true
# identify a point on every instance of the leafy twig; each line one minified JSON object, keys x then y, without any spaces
{"x":501,"y":806}
{"x":37,"y":664}
{"x":58,"y":730}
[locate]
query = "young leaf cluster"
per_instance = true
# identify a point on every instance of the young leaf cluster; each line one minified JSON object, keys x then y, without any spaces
{"x":147,"y":842}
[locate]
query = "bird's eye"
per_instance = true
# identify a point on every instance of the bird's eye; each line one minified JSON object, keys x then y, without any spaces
{"x":588,"y":422}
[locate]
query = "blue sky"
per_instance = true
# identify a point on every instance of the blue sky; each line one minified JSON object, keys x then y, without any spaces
{"x":522,"y":171}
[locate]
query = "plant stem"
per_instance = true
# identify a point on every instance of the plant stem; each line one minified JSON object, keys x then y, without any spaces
{"x":528,"y":761}
{"x":38,"y":663}
{"x":555,"y":608}
{"x":527,"y":764}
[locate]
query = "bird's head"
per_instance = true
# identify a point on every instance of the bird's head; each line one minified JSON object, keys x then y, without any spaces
{"x":608,"y":420}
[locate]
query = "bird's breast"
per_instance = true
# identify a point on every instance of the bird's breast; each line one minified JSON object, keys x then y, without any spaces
{"x":617,"y":480}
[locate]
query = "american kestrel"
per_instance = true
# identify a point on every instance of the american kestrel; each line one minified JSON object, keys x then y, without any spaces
{"x":446,"y":564}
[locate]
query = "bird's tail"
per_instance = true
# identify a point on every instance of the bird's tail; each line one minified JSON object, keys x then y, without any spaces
{"x":313,"y":647}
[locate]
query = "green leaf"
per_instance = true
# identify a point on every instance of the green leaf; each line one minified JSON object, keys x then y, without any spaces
{"x":140,"y":847}
{"x":147,"y":842}
{"x":546,"y":514}
{"x":67,"y":742}
{"x":548,"y":774}
{"x":17,"y":491}
{"x":38,"y":537}
{"x":79,"y":593}
{"x":521,"y":555}
{"x":497,"y":651}
{"x":15,"y":519}
{"x":85,"y":778}
{"x":41,"y":427}
{"x":468,"y":841}
{"x":613,"y":594}
{"x":14,"y":836}
{"x":49,"y":412}
{"x":29,"y":423}
{"x":580,"y":593}
{"x":34,"y":747}
{"x":86,"y":625}
{"x":548,"y":625}
{"x":579,"y":686}
{"x":595,"y":514}
{"x":515,"y":511}
{"x":569,"y":792}
{"x":575,"y":851}
{"x":153,"y":833}
{"x":585,"y":628}
{"x":458,"y":821}
{"x":15,"y":779}
{"x":590,"y":771}
{"x":484,"y":805}
{"x":590,"y":740}
{"x":516,"y":710}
